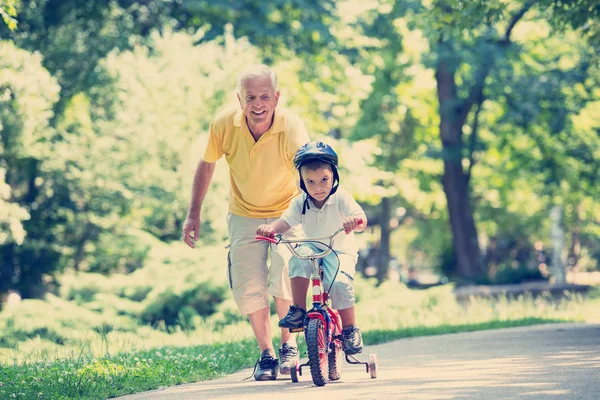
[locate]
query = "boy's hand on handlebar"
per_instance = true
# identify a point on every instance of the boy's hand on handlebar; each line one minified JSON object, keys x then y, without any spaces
{"x":266,"y":231}
{"x":353,"y":223}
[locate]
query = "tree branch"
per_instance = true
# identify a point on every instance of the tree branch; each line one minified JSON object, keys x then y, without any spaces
{"x":473,"y":139}
{"x":516,"y":18}
{"x":476,"y":92}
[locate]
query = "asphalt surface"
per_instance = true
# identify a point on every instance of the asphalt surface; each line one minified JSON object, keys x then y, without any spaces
{"x":557,"y":361}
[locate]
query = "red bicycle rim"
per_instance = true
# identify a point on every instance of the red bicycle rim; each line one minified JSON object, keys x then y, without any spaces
{"x":322,"y":349}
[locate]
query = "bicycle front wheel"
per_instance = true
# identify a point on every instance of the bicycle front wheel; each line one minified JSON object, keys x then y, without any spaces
{"x":316,"y":342}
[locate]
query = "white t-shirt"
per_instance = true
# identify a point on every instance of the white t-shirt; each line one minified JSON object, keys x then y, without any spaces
{"x":327,"y":219}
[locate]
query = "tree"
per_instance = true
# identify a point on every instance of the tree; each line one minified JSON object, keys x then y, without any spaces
{"x":27,"y":94}
{"x":466,"y":40}
{"x":78,"y":199}
{"x":8,"y":12}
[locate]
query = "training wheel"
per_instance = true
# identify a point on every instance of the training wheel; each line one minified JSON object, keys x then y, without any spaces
{"x":373,"y":365}
{"x":294,"y":373}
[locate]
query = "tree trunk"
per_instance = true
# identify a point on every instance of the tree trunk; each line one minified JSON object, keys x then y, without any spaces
{"x":464,"y":233}
{"x":384,"y":243}
{"x":455,"y":181}
{"x":557,"y":236}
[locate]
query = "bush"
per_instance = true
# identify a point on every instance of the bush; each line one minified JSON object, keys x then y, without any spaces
{"x":169,"y":302}
{"x":508,"y":274}
{"x":54,"y":320}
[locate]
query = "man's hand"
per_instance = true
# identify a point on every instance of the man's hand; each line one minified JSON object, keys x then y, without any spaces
{"x":353,"y":223}
{"x":266,"y":231}
{"x":191,"y":224}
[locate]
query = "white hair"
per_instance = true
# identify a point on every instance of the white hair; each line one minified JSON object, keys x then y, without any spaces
{"x":253,"y":71}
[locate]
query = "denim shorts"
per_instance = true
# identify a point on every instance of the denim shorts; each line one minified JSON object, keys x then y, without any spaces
{"x":342,"y":291}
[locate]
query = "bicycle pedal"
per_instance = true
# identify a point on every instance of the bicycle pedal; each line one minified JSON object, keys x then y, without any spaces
{"x":295,"y":330}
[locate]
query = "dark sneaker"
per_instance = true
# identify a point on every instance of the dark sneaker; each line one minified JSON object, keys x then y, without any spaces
{"x":352,"y":342}
{"x":294,"y":318}
{"x":266,"y":367}
{"x":288,"y":356}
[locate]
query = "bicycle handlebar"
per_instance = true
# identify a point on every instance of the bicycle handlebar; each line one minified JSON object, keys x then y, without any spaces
{"x":288,"y":242}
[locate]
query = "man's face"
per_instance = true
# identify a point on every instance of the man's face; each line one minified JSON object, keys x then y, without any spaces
{"x":258,"y":100}
{"x":318,"y":182}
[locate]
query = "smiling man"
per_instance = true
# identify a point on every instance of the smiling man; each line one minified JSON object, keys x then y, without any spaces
{"x":259,"y":141}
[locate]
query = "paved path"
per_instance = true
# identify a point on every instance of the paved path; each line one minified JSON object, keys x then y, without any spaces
{"x":558,"y":361}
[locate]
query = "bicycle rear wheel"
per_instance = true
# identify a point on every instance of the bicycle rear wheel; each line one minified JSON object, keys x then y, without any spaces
{"x":316,"y":342}
{"x":335,"y":360}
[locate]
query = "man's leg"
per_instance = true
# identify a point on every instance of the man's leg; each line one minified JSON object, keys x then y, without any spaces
{"x":280,"y":289}
{"x":248,"y":275}
{"x":261,"y":325}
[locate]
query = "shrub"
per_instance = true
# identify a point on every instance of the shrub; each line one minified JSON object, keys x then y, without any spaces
{"x":166,"y":303}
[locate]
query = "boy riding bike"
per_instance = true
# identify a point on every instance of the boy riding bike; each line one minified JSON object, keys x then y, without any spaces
{"x":321,"y":210}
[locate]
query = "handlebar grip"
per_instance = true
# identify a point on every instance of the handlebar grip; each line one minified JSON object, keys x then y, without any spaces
{"x":272,"y":240}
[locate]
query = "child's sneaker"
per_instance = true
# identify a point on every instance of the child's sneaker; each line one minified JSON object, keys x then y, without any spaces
{"x":294,"y":318}
{"x":288,"y":358}
{"x":352,"y":342}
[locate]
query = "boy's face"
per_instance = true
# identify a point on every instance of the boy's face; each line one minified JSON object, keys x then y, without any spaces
{"x":318,"y":181}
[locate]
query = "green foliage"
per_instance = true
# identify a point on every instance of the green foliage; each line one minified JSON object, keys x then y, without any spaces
{"x":510,"y":274}
{"x":180,"y":89}
{"x":54,"y":320}
{"x":27,"y":94}
{"x":8,"y":12}
{"x":177,"y":305}
{"x":95,"y":366}
{"x":156,"y":296}
{"x":103,"y":118}
{"x":86,"y":377}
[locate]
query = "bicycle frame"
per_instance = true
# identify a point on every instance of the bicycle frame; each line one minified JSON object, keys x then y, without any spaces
{"x":320,"y":296}
{"x":320,"y":310}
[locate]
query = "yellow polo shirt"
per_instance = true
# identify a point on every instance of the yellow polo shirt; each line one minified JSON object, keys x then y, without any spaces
{"x":262,"y":174}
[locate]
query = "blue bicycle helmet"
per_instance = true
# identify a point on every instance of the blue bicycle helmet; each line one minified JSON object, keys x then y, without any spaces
{"x":317,"y":151}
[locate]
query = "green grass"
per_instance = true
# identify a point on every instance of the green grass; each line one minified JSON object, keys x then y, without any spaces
{"x":84,"y":376}
{"x":89,"y":343}
{"x":96,"y":378}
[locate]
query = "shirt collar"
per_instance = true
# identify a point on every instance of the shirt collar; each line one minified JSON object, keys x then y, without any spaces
{"x":330,"y":201}
{"x":239,"y":120}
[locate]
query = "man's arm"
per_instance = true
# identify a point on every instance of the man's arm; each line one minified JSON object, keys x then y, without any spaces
{"x":202,"y":178}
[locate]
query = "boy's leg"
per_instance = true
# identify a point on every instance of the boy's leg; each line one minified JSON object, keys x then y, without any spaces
{"x":279,"y":282}
{"x":348,"y":316}
{"x":294,"y":319}
{"x":343,"y":299}
{"x":299,"y":289}
{"x":282,"y":307}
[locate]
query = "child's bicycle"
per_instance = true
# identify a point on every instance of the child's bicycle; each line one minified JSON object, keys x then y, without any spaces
{"x":322,"y":327}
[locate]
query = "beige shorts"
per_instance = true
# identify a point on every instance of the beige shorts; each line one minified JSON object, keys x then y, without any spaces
{"x":256,"y":269}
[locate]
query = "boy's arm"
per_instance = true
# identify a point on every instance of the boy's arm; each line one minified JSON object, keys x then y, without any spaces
{"x":352,"y":212}
{"x":363,"y":222}
{"x":280,"y":226}
{"x":269,"y":230}
{"x":357,"y":222}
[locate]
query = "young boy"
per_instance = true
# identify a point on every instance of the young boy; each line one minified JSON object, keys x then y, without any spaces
{"x":323,"y":209}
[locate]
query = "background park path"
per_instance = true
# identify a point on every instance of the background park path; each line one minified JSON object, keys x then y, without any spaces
{"x":555,"y":361}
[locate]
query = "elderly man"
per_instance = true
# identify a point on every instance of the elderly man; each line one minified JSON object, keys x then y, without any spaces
{"x":259,"y":142}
